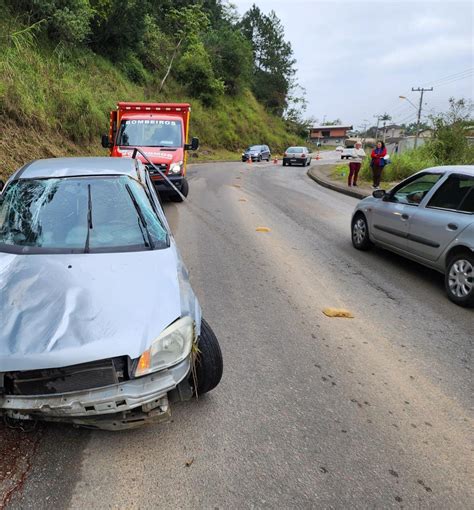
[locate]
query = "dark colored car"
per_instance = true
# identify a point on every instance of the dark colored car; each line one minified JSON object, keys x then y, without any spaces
{"x":297,"y":156}
{"x":257,"y":153}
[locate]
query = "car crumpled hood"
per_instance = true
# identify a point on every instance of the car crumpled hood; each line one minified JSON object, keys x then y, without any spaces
{"x":60,"y":310}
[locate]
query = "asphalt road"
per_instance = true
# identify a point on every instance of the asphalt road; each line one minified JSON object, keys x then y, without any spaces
{"x":312,"y":412}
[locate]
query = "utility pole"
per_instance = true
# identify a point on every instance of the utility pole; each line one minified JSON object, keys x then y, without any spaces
{"x":378,"y":117}
{"x":422,"y":90}
{"x":364,"y":127}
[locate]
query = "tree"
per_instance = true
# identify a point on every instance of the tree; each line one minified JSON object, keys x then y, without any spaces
{"x":64,"y":20}
{"x":184,"y":26}
{"x":385,"y":118}
{"x":194,"y":69}
{"x":231,"y":56}
{"x":118,"y":27}
{"x":273,"y":58}
{"x":449,"y":144}
{"x":335,"y":122}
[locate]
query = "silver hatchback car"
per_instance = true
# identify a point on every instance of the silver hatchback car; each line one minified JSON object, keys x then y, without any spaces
{"x":428,"y":218}
{"x":99,"y":324}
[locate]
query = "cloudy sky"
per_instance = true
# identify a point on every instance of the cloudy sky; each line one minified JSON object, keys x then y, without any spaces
{"x":356,"y":57}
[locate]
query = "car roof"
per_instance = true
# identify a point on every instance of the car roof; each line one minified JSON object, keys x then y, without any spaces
{"x":451,"y":169}
{"x":73,"y":167}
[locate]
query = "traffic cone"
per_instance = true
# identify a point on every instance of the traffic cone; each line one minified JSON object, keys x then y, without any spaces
{"x":249,"y":160}
{"x":317,"y":155}
{"x":275,"y":161}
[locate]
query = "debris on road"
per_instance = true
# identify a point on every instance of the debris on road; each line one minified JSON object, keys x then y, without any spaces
{"x":263,"y":229}
{"x":338,"y":312}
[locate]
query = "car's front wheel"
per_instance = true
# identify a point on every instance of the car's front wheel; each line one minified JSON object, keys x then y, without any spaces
{"x":208,"y":364}
{"x":360,"y":233}
{"x":459,"y":279}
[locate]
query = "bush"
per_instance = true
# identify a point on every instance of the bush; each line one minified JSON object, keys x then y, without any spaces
{"x":402,"y":165}
{"x":133,"y":69}
{"x":194,"y":70}
{"x":64,"y":20}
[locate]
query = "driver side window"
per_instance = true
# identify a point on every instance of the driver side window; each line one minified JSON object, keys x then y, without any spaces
{"x":414,"y":192}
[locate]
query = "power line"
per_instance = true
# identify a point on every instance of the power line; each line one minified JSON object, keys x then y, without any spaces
{"x":449,"y":76}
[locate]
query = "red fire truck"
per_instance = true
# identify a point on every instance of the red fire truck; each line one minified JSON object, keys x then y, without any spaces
{"x":159,"y":130}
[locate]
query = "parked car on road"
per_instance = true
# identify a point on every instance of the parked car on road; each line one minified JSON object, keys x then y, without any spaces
{"x":339,"y":148}
{"x":428,"y":218}
{"x":347,"y":153}
{"x":297,"y":156}
{"x":100,"y":326}
{"x":257,"y":153}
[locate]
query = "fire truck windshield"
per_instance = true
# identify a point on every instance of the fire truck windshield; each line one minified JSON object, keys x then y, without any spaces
{"x":150,"y":133}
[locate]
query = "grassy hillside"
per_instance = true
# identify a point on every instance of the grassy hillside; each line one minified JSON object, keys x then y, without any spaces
{"x":54,"y":100}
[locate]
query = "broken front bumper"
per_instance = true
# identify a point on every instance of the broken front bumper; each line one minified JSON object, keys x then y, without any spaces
{"x":125,"y":405}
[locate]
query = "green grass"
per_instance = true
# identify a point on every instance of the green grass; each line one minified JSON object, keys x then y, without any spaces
{"x":400,"y":167}
{"x":56,"y":100}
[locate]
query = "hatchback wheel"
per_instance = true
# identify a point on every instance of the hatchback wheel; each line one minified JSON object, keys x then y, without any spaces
{"x":208,"y":365}
{"x":360,"y":233}
{"x":459,"y":279}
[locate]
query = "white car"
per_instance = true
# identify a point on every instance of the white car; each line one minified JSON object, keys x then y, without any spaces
{"x":347,"y":153}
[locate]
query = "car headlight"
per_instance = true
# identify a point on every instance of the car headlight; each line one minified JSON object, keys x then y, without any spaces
{"x":175,"y":168}
{"x":171,"y":347}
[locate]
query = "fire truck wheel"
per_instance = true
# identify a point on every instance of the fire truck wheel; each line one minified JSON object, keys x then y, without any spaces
{"x":184,"y":191}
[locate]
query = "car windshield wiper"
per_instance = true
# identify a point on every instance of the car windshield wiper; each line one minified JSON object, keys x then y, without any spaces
{"x":90,"y":226}
{"x":150,"y":243}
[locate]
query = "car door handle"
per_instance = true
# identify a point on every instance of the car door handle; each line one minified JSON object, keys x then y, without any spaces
{"x":405,"y":216}
{"x":452,"y":226}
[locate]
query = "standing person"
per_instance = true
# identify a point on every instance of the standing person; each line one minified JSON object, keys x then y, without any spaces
{"x":358,"y":154}
{"x":377,"y":163}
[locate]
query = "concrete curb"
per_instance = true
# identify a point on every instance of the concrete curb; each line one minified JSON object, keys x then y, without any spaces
{"x":322,"y":181}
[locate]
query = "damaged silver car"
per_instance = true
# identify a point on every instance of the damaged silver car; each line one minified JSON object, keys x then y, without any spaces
{"x":99,"y":324}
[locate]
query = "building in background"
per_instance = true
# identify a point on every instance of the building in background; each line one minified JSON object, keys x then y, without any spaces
{"x":328,"y":135}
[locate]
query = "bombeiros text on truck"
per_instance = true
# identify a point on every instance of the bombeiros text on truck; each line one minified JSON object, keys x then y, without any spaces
{"x":160,"y":131}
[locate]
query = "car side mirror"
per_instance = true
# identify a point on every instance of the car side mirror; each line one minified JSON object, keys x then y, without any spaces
{"x":106,"y":144}
{"x":379,"y":193}
{"x":2,"y":185}
{"x":193,"y":146}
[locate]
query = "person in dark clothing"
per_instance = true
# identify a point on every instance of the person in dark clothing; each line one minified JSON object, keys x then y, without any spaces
{"x":377,"y":163}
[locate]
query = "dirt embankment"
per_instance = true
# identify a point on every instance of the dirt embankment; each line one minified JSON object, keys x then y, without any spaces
{"x":20,"y":144}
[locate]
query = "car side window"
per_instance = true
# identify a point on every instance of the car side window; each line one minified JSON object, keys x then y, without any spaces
{"x":456,"y":193}
{"x":415,"y":191}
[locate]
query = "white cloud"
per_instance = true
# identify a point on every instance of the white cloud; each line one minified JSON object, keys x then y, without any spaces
{"x":432,"y":23}
{"x":435,"y":49}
